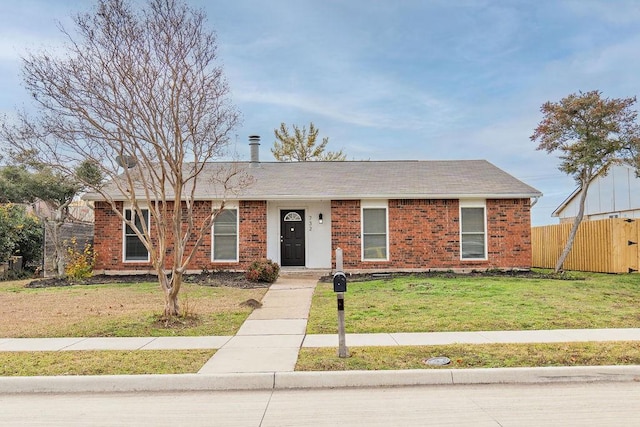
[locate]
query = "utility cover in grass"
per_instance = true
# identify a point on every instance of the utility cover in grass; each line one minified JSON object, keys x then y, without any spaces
{"x":437,"y":361}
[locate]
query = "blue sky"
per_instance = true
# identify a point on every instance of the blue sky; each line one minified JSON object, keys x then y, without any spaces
{"x":404,"y":79}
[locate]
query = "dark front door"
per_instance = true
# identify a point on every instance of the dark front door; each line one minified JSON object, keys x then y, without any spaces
{"x":292,"y":238}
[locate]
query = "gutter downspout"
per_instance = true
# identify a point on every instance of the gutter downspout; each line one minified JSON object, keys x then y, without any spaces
{"x":535,"y":200}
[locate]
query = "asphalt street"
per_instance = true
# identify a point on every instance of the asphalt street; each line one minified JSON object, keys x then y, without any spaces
{"x":566,"y":404}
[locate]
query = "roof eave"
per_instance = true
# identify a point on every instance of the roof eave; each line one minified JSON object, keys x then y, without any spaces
{"x":556,"y":213}
{"x":393,"y":196}
{"x":98,"y":197}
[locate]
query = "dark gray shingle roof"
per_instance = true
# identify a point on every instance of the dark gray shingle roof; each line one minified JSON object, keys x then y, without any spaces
{"x":380,"y":179}
{"x":434,"y":179}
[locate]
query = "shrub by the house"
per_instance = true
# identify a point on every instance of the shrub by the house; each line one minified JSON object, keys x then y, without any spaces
{"x":263,"y":270}
{"x":80,"y":262}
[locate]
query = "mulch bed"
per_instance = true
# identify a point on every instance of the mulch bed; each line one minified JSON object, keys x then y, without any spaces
{"x":221,"y":278}
{"x":238,"y":279}
{"x":527,"y":274}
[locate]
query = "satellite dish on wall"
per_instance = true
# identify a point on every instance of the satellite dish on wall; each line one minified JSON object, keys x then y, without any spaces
{"x":126,"y":162}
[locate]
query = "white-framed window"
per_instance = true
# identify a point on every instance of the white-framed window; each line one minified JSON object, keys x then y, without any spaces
{"x":473,"y":230}
{"x":133,"y":249}
{"x":375,"y":233}
{"x":225,"y":236}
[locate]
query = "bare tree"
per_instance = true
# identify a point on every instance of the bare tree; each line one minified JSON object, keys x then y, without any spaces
{"x":138,"y":93}
{"x":591,"y":133}
{"x":301,"y":145}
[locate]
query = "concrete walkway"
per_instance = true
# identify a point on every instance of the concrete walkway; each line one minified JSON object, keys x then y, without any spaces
{"x":270,"y":338}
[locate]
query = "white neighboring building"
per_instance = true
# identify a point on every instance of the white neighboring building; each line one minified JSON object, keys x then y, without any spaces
{"x":614,"y":195}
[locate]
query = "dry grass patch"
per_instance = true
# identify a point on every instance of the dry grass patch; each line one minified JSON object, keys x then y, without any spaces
{"x":472,"y":356}
{"x":103,"y":362}
{"x":127,"y":309}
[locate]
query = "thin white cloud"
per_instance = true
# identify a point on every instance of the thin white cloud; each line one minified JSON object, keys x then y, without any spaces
{"x":401,"y":110}
{"x":411,"y":79}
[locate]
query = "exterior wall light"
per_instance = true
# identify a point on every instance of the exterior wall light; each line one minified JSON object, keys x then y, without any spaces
{"x":320,"y":219}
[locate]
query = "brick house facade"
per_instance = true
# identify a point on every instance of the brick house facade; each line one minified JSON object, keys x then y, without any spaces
{"x":389,"y":226}
{"x":109,"y":250}
{"x":423,"y":234}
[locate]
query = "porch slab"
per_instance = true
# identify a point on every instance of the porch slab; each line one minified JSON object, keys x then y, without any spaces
{"x":240,"y":360}
{"x":292,"y":283}
{"x":273,"y":327}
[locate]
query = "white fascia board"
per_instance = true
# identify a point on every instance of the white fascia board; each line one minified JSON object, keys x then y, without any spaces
{"x":268,"y":197}
{"x":388,"y":196}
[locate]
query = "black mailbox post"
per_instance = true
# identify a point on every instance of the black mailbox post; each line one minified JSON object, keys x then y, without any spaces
{"x":339,"y":282}
{"x":340,"y":287}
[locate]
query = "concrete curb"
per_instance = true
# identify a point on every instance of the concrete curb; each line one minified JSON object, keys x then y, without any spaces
{"x":135,"y":383}
{"x":301,"y":380}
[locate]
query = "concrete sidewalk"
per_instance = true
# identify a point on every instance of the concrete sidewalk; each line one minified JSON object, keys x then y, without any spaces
{"x":480,"y":337}
{"x":254,"y":340}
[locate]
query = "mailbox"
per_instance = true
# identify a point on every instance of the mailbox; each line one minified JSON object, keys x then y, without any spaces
{"x":339,"y":282}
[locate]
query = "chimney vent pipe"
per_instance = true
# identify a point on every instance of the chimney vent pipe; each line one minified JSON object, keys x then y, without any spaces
{"x":254,"y":144}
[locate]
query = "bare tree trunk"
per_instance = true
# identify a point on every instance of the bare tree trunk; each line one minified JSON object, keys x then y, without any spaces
{"x":171,"y":289}
{"x":54,"y":229}
{"x":574,"y":227}
{"x":54,"y":218}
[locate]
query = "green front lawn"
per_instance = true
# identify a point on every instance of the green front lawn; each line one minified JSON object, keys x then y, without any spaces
{"x":443,"y":302}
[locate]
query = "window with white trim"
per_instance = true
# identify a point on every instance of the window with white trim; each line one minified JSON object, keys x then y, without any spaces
{"x":473,"y":232}
{"x":225,"y":236}
{"x":134,"y":249}
{"x":374,"y":234}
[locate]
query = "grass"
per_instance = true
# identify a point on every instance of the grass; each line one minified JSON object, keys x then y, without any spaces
{"x":408,"y":304}
{"x":442,"y":303}
{"x":472,"y":356}
{"x":103,"y":362}
{"x":119,"y":310}
{"x":476,"y":303}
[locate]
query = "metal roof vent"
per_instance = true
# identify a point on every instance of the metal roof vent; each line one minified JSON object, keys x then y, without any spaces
{"x":254,"y":144}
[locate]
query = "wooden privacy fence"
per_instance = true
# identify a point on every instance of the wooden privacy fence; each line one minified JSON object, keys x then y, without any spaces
{"x":604,"y":246}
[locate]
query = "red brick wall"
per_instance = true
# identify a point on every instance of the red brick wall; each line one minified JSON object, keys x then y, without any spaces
{"x":253,"y":232}
{"x":107,"y":236}
{"x":252,"y":236}
{"x":509,"y":231}
{"x":345,"y":231}
{"x":424,"y":234}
